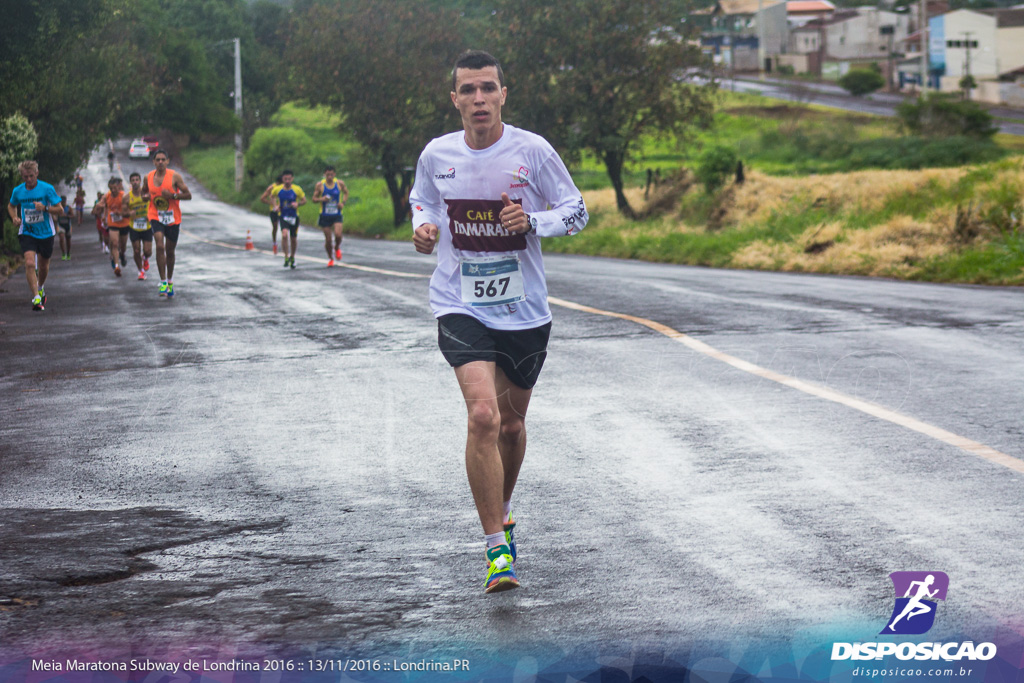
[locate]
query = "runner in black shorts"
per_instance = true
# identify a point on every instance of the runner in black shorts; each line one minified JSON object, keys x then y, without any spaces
{"x":32,"y":207}
{"x":488,"y":290}
{"x":163,"y":189}
{"x":287,"y":201}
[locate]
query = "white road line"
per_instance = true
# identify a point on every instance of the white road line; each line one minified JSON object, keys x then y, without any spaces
{"x":963,"y":443}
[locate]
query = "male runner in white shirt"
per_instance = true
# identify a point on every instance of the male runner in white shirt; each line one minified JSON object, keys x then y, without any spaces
{"x":485,"y":195}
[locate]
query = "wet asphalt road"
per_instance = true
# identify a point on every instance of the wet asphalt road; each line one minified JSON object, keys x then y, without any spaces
{"x":272,"y":459}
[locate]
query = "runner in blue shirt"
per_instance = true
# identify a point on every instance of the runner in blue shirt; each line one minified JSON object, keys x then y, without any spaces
{"x":287,"y":202}
{"x":32,"y":207}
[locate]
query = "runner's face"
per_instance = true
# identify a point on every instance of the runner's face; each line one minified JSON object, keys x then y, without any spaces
{"x":287,"y":180}
{"x":479,"y":97}
{"x":160,"y":162}
{"x":30,"y":178}
{"x":329,"y":176}
{"x":136,"y":184}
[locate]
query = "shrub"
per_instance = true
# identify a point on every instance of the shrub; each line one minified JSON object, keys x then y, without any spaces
{"x":714,"y":165}
{"x":862,"y":81}
{"x":945,"y":115}
{"x":272,"y":150}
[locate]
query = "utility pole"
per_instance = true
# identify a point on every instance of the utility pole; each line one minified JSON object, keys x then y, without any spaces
{"x":924,"y":45}
{"x":760,"y":38}
{"x":238,"y":112}
{"x":967,"y":46}
{"x":967,"y":64}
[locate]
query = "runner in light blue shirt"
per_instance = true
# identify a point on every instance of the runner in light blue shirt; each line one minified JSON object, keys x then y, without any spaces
{"x":32,"y":208}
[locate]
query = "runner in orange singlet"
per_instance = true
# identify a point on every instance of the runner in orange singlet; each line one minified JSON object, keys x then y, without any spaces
{"x":163,"y":190}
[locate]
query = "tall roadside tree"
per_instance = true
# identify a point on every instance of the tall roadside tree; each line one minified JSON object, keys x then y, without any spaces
{"x":65,"y":72}
{"x":384,"y":66}
{"x":600,"y":76}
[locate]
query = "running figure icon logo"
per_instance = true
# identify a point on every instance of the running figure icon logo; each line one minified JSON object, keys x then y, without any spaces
{"x":917,"y":595}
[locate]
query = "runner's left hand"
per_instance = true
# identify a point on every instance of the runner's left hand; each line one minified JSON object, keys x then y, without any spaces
{"x":512,"y":216}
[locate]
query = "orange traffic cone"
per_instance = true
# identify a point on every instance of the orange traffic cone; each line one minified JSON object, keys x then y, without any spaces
{"x":249,"y":246}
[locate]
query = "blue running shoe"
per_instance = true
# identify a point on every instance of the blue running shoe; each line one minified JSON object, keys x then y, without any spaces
{"x":170,"y":289}
{"x":501,"y":576}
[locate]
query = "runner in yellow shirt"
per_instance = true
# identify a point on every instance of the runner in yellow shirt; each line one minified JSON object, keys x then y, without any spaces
{"x":141,"y":234}
{"x":268,"y":198}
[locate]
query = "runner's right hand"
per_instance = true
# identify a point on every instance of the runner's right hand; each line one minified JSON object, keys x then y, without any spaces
{"x":424,"y":238}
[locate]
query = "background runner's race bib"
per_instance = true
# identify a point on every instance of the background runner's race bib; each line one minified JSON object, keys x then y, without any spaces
{"x":140,"y":224}
{"x":165,"y":217}
{"x":492,"y":281}
{"x":32,"y":215}
{"x":115,"y":217}
{"x":290,"y":220}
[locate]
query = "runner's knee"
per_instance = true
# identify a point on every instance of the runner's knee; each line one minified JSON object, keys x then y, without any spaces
{"x":484,"y":420}
{"x":512,"y":428}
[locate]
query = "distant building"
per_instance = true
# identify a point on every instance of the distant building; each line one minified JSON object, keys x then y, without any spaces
{"x":799,"y":12}
{"x":731,"y":36}
{"x":849,"y":38}
{"x":988,"y":45}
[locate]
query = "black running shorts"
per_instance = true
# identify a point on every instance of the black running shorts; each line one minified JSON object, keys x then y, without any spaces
{"x":170,"y":231}
{"x":519,"y":353}
{"x":328,"y":220}
{"x":43,"y":247}
{"x":144,"y":235}
{"x":287,"y":224}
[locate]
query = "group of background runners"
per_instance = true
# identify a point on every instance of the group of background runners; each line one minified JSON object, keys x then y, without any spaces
{"x":149,"y":212}
{"x":285,"y":198}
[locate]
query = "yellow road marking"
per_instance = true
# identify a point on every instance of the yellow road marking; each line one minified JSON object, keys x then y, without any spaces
{"x":873,"y":409}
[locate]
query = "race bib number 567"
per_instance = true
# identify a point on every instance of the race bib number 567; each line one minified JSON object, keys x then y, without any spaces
{"x":492,"y":281}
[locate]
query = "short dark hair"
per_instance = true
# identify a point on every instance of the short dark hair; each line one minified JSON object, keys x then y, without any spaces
{"x":477,"y":59}
{"x":286,"y":172}
{"x":134,"y":175}
{"x":329,"y":168}
{"x":161,"y":151}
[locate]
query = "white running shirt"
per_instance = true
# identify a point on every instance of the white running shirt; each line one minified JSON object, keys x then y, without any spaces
{"x":459,"y":189}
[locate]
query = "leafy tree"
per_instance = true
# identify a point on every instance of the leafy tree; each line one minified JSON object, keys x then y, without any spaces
{"x":66,"y":74}
{"x":18,"y":142}
{"x":383,"y":65}
{"x":945,"y":115}
{"x":613,"y":75}
{"x":861,"y":81}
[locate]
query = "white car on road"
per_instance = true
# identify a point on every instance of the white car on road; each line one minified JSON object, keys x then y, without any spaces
{"x":139,"y":150}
